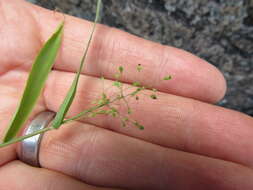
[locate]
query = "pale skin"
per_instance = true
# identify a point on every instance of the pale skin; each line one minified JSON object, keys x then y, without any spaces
{"x":188,"y":143}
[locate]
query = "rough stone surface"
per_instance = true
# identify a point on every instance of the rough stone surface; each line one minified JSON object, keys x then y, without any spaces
{"x":220,"y":31}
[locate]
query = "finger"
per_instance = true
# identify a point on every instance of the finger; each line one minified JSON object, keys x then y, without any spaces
{"x":18,"y":176}
{"x":170,"y":121}
{"x":193,"y":77}
{"x":105,"y":158}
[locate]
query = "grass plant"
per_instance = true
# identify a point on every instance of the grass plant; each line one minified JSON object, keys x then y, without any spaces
{"x":104,"y":105}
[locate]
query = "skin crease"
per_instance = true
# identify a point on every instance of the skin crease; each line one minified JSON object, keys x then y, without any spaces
{"x":187,"y":142}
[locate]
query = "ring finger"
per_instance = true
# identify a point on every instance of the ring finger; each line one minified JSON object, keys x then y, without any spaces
{"x":101,"y":157}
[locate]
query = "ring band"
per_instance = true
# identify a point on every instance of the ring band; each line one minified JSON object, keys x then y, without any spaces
{"x":29,"y":148}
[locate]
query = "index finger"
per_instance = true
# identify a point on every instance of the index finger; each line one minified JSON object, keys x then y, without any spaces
{"x":111,"y":48}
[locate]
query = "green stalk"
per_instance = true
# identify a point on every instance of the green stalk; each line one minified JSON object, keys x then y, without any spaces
{"x":82,"y":114}
{"x":15,"y":140}
{"x":58,"y":121}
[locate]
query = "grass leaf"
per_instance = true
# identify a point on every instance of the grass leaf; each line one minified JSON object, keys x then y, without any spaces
{"x":58,"y":121}
{"x":35,"y":83}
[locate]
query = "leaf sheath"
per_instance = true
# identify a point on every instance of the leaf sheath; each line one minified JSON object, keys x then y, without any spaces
{"x":58,"y":121}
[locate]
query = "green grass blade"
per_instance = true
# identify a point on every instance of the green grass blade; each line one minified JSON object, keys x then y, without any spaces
{"x":35,"y":83}
{"x":57,"y":122}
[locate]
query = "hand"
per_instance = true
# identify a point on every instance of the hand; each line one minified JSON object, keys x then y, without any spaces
{"x":187,"y":142}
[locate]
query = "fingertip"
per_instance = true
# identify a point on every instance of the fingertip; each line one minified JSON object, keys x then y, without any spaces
{"x":192,"y":76}
{"x":215,"y":83}
{"x":221,"y":86}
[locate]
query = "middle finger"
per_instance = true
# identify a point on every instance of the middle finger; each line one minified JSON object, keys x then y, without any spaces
{"x":170,"y":121}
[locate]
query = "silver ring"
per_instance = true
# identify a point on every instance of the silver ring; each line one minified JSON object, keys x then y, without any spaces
{"x":29,"y":148}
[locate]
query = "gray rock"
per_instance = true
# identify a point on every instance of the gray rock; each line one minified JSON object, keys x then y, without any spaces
{"x":220,"y":31}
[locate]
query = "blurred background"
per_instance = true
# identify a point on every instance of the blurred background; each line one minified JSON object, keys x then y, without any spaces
{"x":219,"y":31}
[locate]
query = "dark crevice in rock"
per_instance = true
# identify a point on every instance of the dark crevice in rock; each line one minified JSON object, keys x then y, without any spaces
{"x":249,"y":19}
